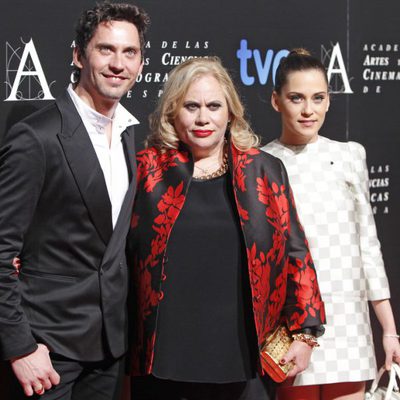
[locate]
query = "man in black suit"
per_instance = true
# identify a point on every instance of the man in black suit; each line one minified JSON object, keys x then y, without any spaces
{"x":67,"y":183}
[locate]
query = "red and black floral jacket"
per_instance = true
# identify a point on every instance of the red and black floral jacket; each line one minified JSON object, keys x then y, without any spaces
{"x":282,"y":276}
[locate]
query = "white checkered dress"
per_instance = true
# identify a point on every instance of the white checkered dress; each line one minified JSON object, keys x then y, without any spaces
{"x":329,"y":180}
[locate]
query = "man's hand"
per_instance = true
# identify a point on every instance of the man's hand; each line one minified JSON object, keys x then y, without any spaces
{"x":300,"y":353}
{"x":35,"y":372}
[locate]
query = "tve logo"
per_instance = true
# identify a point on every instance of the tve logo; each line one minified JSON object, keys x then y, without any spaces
{"x":263,"y":67}
{"x":338,"y":78}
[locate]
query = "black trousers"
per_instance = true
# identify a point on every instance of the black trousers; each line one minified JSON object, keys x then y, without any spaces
{"x":79,"y":381}
{"x":152,"y":388}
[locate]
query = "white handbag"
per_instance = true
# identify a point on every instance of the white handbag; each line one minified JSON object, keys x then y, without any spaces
{"x":391,"y":392}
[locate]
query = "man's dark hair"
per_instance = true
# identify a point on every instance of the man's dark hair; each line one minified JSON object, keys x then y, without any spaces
{"x":106,"y":12}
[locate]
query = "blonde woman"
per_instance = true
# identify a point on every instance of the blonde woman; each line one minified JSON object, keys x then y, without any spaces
{"x":218,"y":255}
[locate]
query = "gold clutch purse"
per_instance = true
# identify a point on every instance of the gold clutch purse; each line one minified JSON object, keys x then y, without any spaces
{"x":275,"y":347}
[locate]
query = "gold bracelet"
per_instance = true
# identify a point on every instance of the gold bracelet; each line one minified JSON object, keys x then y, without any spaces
{"x":311,"y":340}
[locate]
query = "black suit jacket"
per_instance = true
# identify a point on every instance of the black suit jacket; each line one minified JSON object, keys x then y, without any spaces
{"x":55,"y":215}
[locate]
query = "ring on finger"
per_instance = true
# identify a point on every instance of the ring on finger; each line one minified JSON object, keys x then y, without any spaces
{"x":39,"y":389}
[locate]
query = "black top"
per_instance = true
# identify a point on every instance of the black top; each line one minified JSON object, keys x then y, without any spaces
{"x":205,"y":328}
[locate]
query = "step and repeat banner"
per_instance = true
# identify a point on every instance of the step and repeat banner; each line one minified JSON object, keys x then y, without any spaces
{"x":358,"y":41}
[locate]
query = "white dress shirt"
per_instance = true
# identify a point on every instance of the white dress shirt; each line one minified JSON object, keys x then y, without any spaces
{"x":111,"y":158}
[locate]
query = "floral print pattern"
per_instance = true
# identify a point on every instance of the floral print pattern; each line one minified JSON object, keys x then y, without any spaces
{"x":282,"y":275}
{"x":152,"y":164}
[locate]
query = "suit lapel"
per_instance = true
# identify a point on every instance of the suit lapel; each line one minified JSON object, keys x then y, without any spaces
{"x":128,"y":141}
{"x":85,"y":167}
{"x":130,"y":157}
{"x":122,"y":225}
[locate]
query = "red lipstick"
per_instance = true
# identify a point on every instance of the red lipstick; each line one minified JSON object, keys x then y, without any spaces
{"x":200,"y":133}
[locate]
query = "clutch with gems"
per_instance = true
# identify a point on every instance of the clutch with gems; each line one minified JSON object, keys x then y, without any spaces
{"x":275,"y":347}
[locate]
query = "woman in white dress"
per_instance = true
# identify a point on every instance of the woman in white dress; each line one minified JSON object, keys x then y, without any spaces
{"x":329,"y":180}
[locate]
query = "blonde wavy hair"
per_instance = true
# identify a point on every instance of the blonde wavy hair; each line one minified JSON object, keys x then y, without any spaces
{"x":163,"y":134}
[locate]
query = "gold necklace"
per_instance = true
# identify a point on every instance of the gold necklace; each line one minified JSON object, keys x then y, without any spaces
{"x":203,"y":170}
{"x":219,"y":172}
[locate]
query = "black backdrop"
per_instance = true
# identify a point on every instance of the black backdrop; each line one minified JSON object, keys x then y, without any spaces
{"x":357,"y":40}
